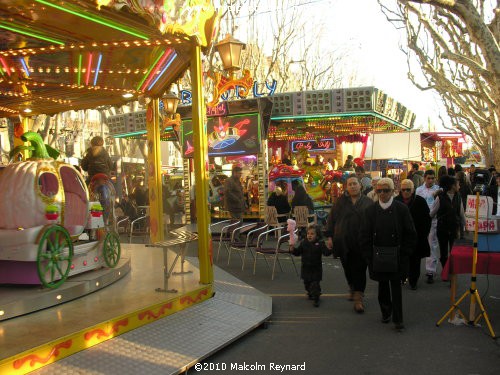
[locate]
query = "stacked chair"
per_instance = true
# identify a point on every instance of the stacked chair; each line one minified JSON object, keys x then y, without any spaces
{"x":274,"y":250}
{"x":248,"y":243}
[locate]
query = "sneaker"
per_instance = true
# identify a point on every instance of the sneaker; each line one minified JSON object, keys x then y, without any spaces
{"x":430,"y":279}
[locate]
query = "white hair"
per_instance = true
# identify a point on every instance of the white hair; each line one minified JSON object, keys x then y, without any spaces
{"x":386,"y":181}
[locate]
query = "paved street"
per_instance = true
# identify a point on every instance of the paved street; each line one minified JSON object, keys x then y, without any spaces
{"x":334,"y":339}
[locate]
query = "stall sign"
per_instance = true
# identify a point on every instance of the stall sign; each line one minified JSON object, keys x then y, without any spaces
{"x":226,"y":135}
{"x":485,"y":206}
{"x":483,"y":225}
{"x":186,"y":96}
{"x":327,"y":144}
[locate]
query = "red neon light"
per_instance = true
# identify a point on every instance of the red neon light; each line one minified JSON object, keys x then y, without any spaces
{"x":156,"y":69}
{"x":5,"y":66}
{"x":89,"y":66}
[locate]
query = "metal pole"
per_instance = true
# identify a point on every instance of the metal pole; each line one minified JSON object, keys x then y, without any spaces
{"x":200,"y":170}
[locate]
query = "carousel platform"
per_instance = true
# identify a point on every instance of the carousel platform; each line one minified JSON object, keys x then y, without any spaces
{"x":133,"y":325}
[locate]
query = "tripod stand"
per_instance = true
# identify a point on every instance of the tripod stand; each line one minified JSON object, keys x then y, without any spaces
{"x":474,"y":294}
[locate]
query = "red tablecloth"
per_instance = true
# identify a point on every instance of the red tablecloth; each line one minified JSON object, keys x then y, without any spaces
{"x":460,"y":261}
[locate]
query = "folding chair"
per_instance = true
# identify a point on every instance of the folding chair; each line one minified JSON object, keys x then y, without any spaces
{"x":274,"y":251}
{"x":272,"y":218}
{"x":249,"y":243}
{"x":303,"y":218}
{"x":141,"y":223}
{"x":225,"y":235}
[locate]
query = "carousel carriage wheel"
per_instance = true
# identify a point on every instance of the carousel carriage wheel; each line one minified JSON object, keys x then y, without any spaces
{"x":111,"y":249}
{"x":55,"y":252}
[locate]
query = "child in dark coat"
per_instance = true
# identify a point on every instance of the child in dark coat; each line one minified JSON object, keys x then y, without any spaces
{"x":311,"y":249}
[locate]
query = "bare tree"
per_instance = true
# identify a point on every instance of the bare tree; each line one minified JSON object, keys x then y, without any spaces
{"x":282,"y":44}
{"x":456,"y":44}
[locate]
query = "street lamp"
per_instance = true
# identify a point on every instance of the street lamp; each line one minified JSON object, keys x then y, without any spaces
{"x":229,"y":50}
{"x":170,"y":102}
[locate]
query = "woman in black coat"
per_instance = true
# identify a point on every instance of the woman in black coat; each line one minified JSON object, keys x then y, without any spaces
{"x":301,"y":198}
{"x":388,"y":223}
{"x":280,"y":201}
{"x":419,"y":211}
{"x":343,"y":225}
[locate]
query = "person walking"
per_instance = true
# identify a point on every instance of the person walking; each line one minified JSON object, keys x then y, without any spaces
{"x":428,"y":191}
{"x":421,"y":219}
{"x":343,"y":224}
{"x":234,"y":200}
{"x":415,"y":175}
{"x":311,"y":249}
{"x":388,"y":224}
{"x":449,"y":212}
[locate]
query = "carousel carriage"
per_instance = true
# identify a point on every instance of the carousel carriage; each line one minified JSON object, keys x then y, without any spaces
{"x":49,"y":230}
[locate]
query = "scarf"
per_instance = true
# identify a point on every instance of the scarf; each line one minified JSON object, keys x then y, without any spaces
{"x":385,"y":206}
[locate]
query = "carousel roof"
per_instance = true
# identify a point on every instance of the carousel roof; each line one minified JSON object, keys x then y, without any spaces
{"x":67,"y":55}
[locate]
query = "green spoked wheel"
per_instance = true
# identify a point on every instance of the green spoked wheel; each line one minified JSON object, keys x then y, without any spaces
{"x":111,"y":249}
{"x":55,"y":252}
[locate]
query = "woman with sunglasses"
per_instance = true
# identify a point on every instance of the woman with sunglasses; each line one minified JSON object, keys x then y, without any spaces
{"x":419,"y":211}
{"x":388,"y":223}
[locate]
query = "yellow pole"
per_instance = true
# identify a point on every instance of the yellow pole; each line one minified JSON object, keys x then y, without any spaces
{"x":154,"y":171}
{"x":200,"y":169}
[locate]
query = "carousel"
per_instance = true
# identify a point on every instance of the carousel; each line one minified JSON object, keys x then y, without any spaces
{"x":76,"y":55}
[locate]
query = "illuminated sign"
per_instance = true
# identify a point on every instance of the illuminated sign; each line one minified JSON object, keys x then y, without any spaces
{"x":218,"y":110}
{"x":227,"y":135}
{"x":186,"y":96}
{"x":327,"y":144}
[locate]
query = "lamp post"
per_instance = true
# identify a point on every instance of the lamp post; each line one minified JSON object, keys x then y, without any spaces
{"x":229,"y":50}
{"x":170,"y":102}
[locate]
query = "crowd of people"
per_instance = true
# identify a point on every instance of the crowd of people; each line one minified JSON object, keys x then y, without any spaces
{"x":388,"y":232}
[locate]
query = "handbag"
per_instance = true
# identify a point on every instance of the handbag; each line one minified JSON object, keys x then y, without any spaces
{"x":385,"y":258}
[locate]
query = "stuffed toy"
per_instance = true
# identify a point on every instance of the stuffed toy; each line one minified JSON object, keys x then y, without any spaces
{"x":291,"y":225}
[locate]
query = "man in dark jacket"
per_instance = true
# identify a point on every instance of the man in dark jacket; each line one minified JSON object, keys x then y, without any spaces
{"x":96,"y":159}
{"x":343,"y":224}
{"x":419,"y":211}
{"x":388,"y":224}
{"x":234,"y":199}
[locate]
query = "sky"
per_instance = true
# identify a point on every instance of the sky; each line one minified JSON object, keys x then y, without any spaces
{"x":376,"y":54}
{"x":359,"y":27}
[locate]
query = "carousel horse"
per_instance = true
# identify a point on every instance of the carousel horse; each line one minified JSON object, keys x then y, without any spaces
{"x":101,"y":189}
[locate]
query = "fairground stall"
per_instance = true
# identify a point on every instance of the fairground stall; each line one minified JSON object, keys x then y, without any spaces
{"x":60,"y":56}
{"x":317,"y":130}
{"x":448,"y":149}
{"x":237,"y":134}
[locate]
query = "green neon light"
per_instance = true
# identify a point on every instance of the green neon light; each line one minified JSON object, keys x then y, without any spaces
{"x":79,"y":68}
{"x":95,"y":19}
{"x":330,"y":116}
{"x":29,"y":33}
{"x":149,"y":71}
{"x":131,"y":134}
